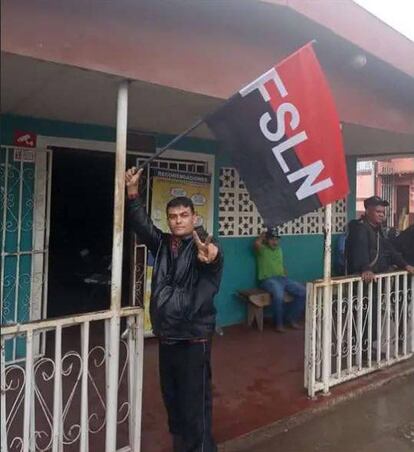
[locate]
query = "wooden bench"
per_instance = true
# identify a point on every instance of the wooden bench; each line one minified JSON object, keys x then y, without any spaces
{"x":256,"y":300}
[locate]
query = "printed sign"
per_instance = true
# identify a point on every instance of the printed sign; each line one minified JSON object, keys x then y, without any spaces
{"x":25,"y":139}
{"x":24,"y":155}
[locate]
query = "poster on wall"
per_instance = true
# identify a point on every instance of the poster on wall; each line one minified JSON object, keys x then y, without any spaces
{"x":167,"y":185}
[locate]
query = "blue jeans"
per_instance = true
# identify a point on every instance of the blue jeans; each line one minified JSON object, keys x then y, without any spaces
{"x":285,"y":312}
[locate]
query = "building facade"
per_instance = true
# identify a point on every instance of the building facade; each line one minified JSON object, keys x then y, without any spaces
{"x":62,"y":66}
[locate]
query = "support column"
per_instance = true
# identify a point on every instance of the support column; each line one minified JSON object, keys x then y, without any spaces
{"x":116,"y":280}
{"x":327,"y":302}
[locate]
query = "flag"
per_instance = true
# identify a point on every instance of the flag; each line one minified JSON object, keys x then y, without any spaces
{"x":284,"y":138}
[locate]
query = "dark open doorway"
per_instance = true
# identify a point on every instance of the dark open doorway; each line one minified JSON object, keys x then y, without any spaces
{"x":81,"y":232}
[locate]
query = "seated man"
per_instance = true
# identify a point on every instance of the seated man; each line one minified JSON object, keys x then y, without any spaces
{"x":272,"y":278}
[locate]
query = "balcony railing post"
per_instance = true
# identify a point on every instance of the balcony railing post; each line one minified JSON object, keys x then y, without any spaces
{"x":327,"y":303}
{"x":3,"y":396}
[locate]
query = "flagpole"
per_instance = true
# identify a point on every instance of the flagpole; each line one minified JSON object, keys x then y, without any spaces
{"x":173,"y":141}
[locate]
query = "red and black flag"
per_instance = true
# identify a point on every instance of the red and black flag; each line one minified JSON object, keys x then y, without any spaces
{"x":283,"y":134}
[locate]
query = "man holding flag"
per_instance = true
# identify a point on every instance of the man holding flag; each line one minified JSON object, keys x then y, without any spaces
{"x":284,"y":138}
{"x":186,"y":277}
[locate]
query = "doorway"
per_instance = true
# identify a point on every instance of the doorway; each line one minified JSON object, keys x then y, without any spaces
{"x":81,"y":232}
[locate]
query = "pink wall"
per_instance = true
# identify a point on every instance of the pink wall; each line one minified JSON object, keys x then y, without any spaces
{"x":365,"y":189}
{"x":403,"y":174}
{"x":405,"y":165}
{"x":403,"y":169}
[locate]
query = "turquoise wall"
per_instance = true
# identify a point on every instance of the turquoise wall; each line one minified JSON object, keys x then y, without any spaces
{"x":303,"y":254}
{"x":10,"y":123}
{"x":303,"y":261}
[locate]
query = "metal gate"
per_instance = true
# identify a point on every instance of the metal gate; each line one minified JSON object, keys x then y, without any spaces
{"x":25,"y":179}
{"x":85,"y":392}
{"x":56,"y":374}
{"x":60,"y":401}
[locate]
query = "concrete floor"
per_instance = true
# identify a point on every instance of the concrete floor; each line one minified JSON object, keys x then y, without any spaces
{"x":257,"y":381}
{"x":378,"y":421}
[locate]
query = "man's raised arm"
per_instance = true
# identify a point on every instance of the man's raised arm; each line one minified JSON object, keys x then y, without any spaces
{"x":140,"y":222}
{"x":258,"y":243}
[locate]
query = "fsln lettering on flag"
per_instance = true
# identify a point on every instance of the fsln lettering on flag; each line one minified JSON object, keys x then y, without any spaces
{"x":283,"y":134}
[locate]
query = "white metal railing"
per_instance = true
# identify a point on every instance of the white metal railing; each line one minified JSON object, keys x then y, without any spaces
{"x":60,"y":399}
{"x":354,"y":328}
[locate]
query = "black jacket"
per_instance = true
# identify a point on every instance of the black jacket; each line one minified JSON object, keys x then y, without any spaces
{"x":367,"y":249}
{"x":404,"y":243}
{"x":182,"y":288}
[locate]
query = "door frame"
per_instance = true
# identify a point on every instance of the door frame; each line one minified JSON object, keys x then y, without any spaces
{"x":46,"y":142}
{"x":49,"y":142}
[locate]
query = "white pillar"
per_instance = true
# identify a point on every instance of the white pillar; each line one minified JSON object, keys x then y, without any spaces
{"x":116,"y":281}
{"x":119,"y":195}
{"x":327,"y":302}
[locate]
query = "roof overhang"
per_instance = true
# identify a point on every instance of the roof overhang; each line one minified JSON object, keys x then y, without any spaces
{"x":38,"y":89}
{"x":363,"y":29}
{"x":362,"y":141}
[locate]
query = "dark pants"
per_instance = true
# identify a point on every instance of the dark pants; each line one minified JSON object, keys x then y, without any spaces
{"x":185,"y":375}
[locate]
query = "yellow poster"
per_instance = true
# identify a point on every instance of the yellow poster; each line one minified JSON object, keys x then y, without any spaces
{"x":167,"y":185}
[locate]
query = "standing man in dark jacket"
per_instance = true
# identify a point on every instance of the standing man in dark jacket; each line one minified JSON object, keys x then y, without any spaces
{"x":186,"y":277}
{"x":367,"y":250}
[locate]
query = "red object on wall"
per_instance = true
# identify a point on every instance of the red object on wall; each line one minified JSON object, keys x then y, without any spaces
{"x":25,"y":139}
